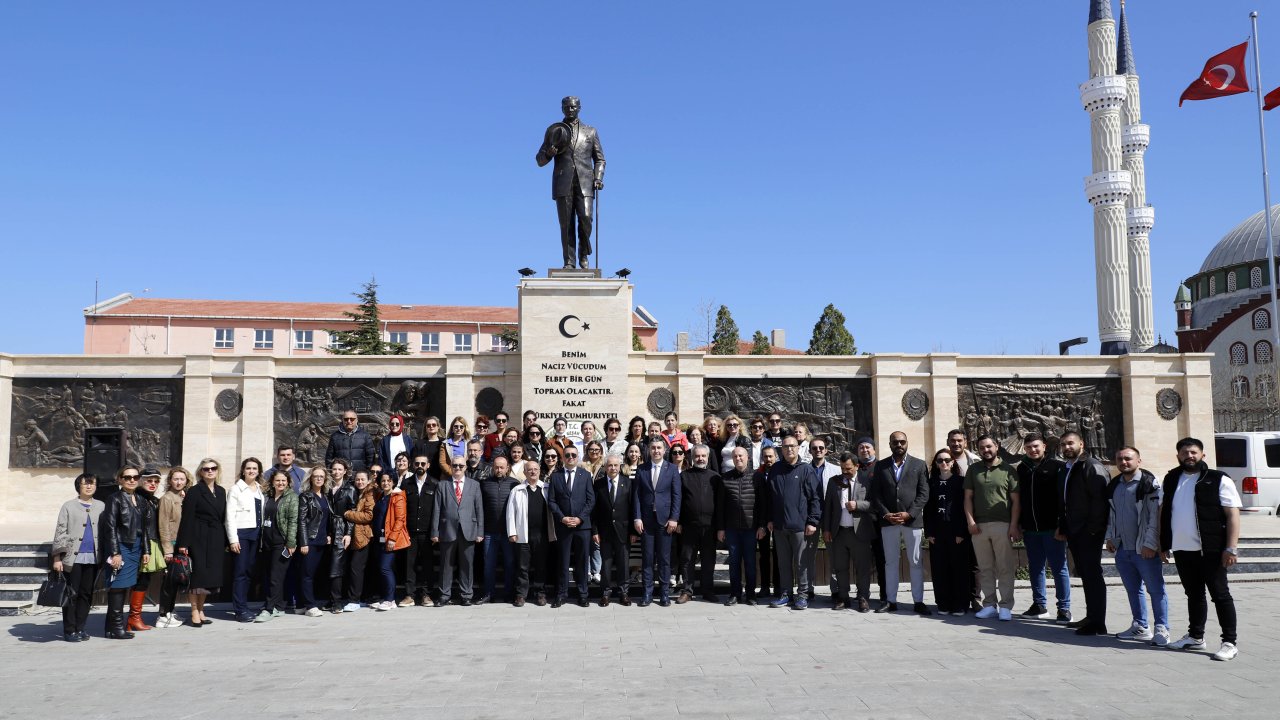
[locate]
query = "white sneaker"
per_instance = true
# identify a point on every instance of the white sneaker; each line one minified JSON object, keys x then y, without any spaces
{"x":1187,"y":643}
{"x":987,"y":612}
{"x":351,"y":607}
{"x":1161,"y":638}
{"x":1138,"y":632}
{"x":164,"y":620}
{"x":1226,"y":652}
{"x":313,"y":612}
{"x":1006,"y":614}
{"x":381,"y":606}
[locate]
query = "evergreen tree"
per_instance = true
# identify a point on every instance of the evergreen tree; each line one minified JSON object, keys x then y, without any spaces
{"x":760,"y":344}
{"x":366,"y":338}
{"x":511,"y":337}
{"x":830,"y":337}
{"x":726,"y":337}
{"x":636,"y":345}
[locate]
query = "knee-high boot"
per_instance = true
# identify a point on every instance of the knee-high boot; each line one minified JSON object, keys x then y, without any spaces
{"x":115,"y":616}
{"x":136,"y":599}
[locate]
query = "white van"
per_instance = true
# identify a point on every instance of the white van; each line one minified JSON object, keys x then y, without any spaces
{"x":1252,"y":459}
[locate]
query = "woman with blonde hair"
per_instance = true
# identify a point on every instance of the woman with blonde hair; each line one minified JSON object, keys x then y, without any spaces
{"x":202,"y":536}
{"x":733,"y":436}
{"x":459,"y":435}
{"x":313,"y":535}
{"x":175,"y":489}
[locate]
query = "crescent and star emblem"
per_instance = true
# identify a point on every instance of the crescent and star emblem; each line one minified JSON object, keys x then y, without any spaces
{"x":1230,"y":73}
{"x":564,"y":322}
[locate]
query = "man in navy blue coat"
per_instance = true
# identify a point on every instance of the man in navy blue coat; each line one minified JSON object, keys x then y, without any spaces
{"x":655,"y":509}
{"x":572,"y":497}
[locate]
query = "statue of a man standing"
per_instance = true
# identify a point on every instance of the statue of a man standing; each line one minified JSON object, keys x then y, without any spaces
{"x":577,"y":174}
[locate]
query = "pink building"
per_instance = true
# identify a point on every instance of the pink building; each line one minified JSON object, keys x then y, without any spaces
{"x":125,"y":325}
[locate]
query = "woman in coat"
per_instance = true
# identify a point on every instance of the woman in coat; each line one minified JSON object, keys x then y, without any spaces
{"x":124,"y":535}
{"x":341,"y":494}
{"x":202,"y":536}
{"x":359,"y":529}
{"x":76,"y":553}
{"x":279,"y":539}
{"x":949,"y":541}
{"x":389,"y":514}
{"x":148,"y":490}
{"x":313,"y":536}
{"x":175,"y":489}
{"x":244,"y":530}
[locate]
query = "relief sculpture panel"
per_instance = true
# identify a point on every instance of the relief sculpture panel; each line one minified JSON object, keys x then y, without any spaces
{"x":836,"y":410}
{"x":308,"y":411}
{"x":49,"y":417}
{"x":1010,"y":409}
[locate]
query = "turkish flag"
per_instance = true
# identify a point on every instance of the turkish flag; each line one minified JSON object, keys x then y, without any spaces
{"x":1271,"y":99}
{"x":1223,"y":75}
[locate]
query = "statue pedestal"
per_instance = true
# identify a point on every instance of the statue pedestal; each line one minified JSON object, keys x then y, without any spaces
{"x":574,"y":273}
{"x":575,"y":343}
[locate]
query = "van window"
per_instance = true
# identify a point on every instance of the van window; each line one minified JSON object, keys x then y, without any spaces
{"x":1232,"y":452}
{"x":1273,"y":452}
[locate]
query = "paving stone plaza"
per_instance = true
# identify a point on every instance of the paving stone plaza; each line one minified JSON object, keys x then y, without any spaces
{"x":694,"y":660}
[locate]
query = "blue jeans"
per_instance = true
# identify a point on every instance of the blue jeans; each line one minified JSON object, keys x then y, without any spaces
{"x":386,"y":570}
{"x":742,"y":553}
{"x":495,"y":545}
{"x":1042,"y":548}
{"x":244,"y":570}
{"x":1137,"y":571}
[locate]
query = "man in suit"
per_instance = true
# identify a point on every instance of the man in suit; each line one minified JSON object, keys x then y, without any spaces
{"x":1083,"y":524}
{"x":457,"y":526}
{"x":655,"y":512}
{"x":899,"y":491}
{"x":578,"y":172}
{"x":572,"y":497}
{"x":419,"y":563}
{"x":612,"y":524}
{"x":848,"y":526}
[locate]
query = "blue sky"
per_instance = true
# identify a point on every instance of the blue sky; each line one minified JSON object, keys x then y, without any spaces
{"x":920,"y":165}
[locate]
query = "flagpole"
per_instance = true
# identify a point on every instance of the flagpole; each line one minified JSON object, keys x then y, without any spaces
{"x":1266,"y":198}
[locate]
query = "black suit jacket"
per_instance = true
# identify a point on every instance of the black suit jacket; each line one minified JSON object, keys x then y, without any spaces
{"x":909,"y":494}
{"x":612,"y":518}
{"x":1088,"y":504}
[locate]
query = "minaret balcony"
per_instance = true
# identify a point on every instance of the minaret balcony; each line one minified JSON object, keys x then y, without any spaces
{"x":1109,"y":187}
{"x":1140,"y":220}
{"x":1135,"y":138}
{"x":1104,"y":92}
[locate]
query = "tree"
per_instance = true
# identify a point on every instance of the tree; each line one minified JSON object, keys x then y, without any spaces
{"x":830,"y":337}
{"x":636,"y":345}
{"x":760,"y":344}
{"x":726,"y":338}
{"x":510,"y":337}
{"x":366,"y":338}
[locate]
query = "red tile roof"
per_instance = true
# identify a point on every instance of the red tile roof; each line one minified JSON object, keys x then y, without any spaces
{"x":744,"y":348}
{"x":316,"y":311}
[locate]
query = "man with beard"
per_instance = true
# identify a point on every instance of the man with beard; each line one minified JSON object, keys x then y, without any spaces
{"x":1083,"y":524}
{"x":698,"y":487}
{"x":764,"y":546}
{"x":1041,"y":504}
{"x":991,"y":509}
{"x":963,"y":457}
{"x":826,"y":471}
{"x":848,"y":526}
{"x":1200,"y":526}
{"x":899,"y":492}
{"x":419,"y":561}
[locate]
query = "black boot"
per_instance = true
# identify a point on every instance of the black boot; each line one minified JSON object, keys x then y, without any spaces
{"x":115,"y":616}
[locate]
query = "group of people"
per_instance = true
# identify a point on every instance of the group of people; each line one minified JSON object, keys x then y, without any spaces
{"x":558,"y":510}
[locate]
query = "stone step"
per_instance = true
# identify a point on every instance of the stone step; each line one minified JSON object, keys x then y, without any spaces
{"x":24,"y":559}
{"x":9,"y":608}
{"x":26,"y":547}
{"x":20,"y":575}
{"x":19,"y":591}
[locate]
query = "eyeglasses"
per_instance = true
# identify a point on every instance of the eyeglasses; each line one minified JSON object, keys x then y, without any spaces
{"x":128,"y":477}
{"x":551,"y":456}
{"x":757,"y":427}
{"x":501,"y":421}
{"x":211,"y":468}
{"x":732,"y":424}
{"x":419,"y":464}
{"x":817,"y":448}
{"x":945,"y":460}
{"x":571,"y":455}
{"x":677,"y":451}
{"x":349,"y":419}
{"x":455,"y":427}
{"x":460,"y":467}
{"x":534,"y":433}
{"x":775,"y":420}
{"x":432,"y":424}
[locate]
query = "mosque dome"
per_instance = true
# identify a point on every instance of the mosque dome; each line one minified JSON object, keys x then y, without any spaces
{"x":1245,"y":243}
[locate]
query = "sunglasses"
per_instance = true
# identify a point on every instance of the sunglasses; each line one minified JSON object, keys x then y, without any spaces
{"x":571,"y":455}
{"x":459,"y":467}
{"x":213,"y":468}
{"x":455,"y":427}
{"x":128,"y":477}
{"x":945,"y":460}
{"x":732,"y":424}
{"x":535,"y":433}
{"x":419,"y":464}
{"x":349,"y":419}
{"x":677,"y":451}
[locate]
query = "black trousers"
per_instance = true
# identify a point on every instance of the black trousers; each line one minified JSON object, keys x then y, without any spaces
{"x":531,"y":561}
{"x":275,"y":572}
{"x":952,"y":579}
{"x":575,"y":547}
{"x":615,"y":564}
{"x":1198,"y":571}
{"x":1086,"y":553}
{"x":420,"y":567}
{"x":357,"y":559}
{"x":768,"y":563}
{"x":699,"y":545}
{"x":575,"y":207}
{"x":877,"y":551}
{"x":76,"y":612}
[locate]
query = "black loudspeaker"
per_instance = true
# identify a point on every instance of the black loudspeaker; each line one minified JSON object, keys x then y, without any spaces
{"x":104,"y":454}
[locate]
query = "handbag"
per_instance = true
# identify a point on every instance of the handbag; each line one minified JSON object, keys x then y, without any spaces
{"x":155,"y":559}
{"x":54,"y":591}
{"x":179,"y":571}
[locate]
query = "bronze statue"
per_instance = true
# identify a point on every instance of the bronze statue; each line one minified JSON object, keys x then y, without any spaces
{"x":577,"y":174}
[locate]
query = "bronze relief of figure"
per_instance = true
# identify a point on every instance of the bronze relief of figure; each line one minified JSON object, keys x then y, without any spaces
{"x":577,"y":174}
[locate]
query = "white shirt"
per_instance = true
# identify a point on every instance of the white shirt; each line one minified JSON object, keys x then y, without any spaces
{"x":756,"y":447}
{"x":397,"y":446}
{"x":657,"y":473}
{"x":1186,"y":531}
{"x":846,"y":517}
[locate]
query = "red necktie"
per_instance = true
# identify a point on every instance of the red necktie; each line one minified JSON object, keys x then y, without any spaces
{"x":457,"y":491}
